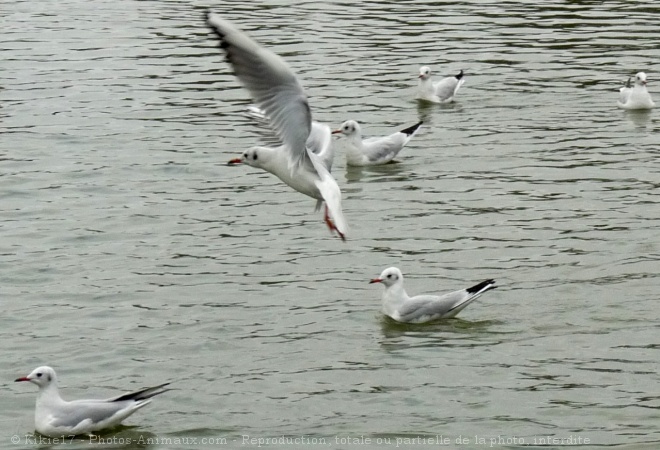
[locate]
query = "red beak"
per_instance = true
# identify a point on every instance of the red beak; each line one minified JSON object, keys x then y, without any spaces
{"x":420,"y":76}
{"x":234,"y":161}
{"x":22,"y":379}
{"x":336,"y":131}
{"x":376,"y":280}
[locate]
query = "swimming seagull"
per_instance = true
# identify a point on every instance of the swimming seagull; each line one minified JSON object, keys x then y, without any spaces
{"x":635,"y":97}
{"x":424,"y":308}
{"x":372,"y":151}
{"x":56,"y":417}
{"x":442,"y":91}
{"x":276,"y":90}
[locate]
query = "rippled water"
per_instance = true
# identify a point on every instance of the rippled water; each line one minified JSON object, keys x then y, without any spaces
{"x":131,"y":255}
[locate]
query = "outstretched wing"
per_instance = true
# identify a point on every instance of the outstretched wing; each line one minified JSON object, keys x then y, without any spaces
{"x":272,"y":85}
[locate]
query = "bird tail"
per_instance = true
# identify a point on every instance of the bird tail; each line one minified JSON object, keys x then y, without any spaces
{"x":411,"y":130}
{"x":482,"y":287}
{"x":142,"y":394}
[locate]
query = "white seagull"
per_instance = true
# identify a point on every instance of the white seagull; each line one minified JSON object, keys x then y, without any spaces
{"x":56,"y":417}
{"x":276,"y":90}
{"x":376,"y":150}
{"x":319,"y":140}
{"x":636,"y":97}
{"x":424,"y":308}
{"x":442,"y":91}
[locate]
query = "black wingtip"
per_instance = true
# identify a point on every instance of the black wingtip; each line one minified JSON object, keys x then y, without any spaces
{"x":222,"y":44}
{"x":207,"y":18}
{"x":410,"y":130}
{"x":482,"y":287}
{"x":207,"y":21}
{"x":143,"y":394}
{"x":460,"y":75}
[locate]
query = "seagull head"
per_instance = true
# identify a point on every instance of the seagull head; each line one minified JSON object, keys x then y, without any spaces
{"x":640,"y":78}
{"x":389,"y":277}
{"x":41,"y":376}
{"x":249,"y":157}
{"x":425,"y":73}
{"x":348,"y":128}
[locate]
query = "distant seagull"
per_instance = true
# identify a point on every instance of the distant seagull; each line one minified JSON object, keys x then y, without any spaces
{"x":56,"y":417}
{"x":442,"y":91}
{"x":276,"y":91}
{"x":375,"y":150}
{"x":424,"y":308}
{"x":636,"y":97}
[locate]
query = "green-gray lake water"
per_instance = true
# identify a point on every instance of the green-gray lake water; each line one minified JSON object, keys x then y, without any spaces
{"x":132,"y":255}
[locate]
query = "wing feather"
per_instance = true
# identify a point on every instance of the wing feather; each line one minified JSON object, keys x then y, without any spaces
{"x":72,"y":414}
{"x":272,"y":85}
{"x":385,"y":148}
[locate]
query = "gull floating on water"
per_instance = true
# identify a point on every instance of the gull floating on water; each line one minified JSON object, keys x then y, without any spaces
{"x":276,"y":90}
{"x":637,"y":96}
{"x":56,"y":417}
{"x":424,"y":308}
{"x":442,"y":91}
{"x":376,"y":150}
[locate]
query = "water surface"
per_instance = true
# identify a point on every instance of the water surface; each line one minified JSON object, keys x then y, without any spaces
{"x":131,"y":255}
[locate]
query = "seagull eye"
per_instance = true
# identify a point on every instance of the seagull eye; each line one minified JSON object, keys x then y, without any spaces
{"x":39,"y":375}
{"x":389,"y":276}
{"x":254,"y":157}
